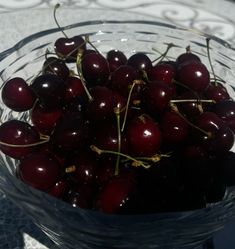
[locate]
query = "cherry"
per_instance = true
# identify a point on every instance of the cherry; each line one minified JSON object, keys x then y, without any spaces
{"x":50,"y":90}
{"x":116,"y":196}
{"x":226,"y":111}
{"x":102,"y":105}
{"x":70,"y":132}
{"x":84,"y":172}
{"x":17,"y":95}
{"x":44,"y":120}
{"x":174,"y":128}
{"x":122,"y":79}
{"x":163,"y":71}
{"x":15,"y":132}
{"x":143,"y":136}
{"x":156,"y":97}
{"x":194,"y":75}
{"x":59,"y":189}
{"x":56,"y":66}
{"x":67,"y":48}
{"x":115,"y":58}
{"x":140,"y":62}
{"x":39,"y":170}
{"x":95,"y":69}
{"x":188,"y":56}
{"x":217,"y":93}
{"x":74,"y":88}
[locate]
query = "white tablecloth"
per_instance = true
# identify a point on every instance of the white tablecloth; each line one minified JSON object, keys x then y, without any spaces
{"x":212,"y":16}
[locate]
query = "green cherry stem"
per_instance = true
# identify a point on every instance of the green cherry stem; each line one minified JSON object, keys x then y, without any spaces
{"x":209,"y":58}
{"x":117,"y":113}
{"x":136,"y":163}
{"x":56,"y":21}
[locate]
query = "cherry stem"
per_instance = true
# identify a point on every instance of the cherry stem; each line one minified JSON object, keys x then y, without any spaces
{"x":44,"y":139}
{"x":56,"y":21}
{"x":117,"y":113}
{"x":162,"y":56}
{"x":87,"y":40}
{"x":70,"y":169}
{"x":136,"y":163}
{"x":175,"y":109}
{"x":135,"y":82}
{"x":155,"y":158}
{"x":209,"y":58}
{"x":79,"y":69}
{"x":192,"y":100}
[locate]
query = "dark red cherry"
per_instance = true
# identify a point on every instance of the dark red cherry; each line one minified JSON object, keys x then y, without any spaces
{"x":122,"y":79}
{"x":194,"y":75}
{"x":85,"y":166}
{"x":164,"y":72}
{"x":44,"y":119}
{"x":174,"y":128}
{"x":156,"y":97}
{"x":39,"y":171}
{"x":15,"y":132}
{"x":217,"y":93}
{"x":116,"y":58}
{"x":226,"y":111}
{"x":56,"y":66}
{"x":115,"y":196}
{"x":67,"y":48}
{"x":188,"y":56}
{"x":50,"y":90}
{"x":17,"y":95}
{"x":95,"y":69}
{"x":70,"y":132}
{"x":102,"y":104}
{"x":143,"y":136}
{"x":59,"y":189}
{"x":140,"y":62}
{"x":74,"y":88}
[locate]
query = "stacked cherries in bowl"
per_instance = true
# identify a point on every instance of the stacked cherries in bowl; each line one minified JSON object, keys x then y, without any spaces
{"x":142,"y":134}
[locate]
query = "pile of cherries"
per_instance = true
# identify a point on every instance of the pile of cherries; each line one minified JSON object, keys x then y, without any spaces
{"x":122,"y":135}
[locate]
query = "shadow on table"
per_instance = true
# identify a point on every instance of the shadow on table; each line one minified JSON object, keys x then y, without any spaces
{"x":17,"y":231}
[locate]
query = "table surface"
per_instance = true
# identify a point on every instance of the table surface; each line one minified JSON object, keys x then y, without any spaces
{"x":211,"y":16}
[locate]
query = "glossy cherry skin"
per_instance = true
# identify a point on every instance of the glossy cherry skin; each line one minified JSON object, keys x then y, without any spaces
{"x":164,"y":72}
{"x":156,"y":97}
{"x":95,"y":69}
{"x":74,"y":88}
{"x":194,"y":75}
{"x":143,"y":136}
{"x":43,"y":119}
{"x":53,"y":65}
{"x":115,"y":197}
{"x":39,"y":170}
{"x":17,"y":95}
{"x":174,"y":128}
{"x":17,"y":132}
{"x":122,"y":79}
{"x":70,"y":132}
{"x":140,"y":62}
{"x":188,"y":56}
{"x":226,"y":111}
{"x":217,"y":93}
{"x":59,"y":189}
{"x":50,"y":90}
{"x":115,"y":58}
{"x":67,"y":48}
{"x":102,"y":104}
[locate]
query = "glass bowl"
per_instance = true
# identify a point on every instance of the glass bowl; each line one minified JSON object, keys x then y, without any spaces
{"x":71,"y":227}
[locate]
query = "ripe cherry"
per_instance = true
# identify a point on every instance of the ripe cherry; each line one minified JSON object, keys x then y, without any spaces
{"x":143,"y":136}
{"x":16,"y":133}
{"x":116,"y":58}
{"x":67,"y":48}
{"x":140,"y":62}
{"x":17,"y":95}
{"x":39,"y":170}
